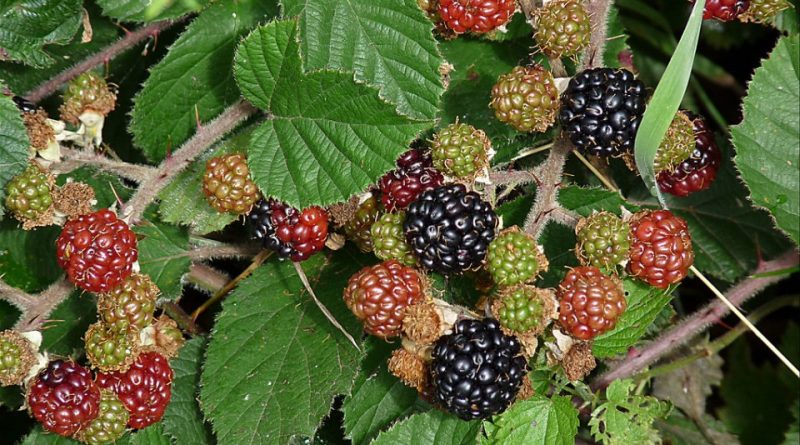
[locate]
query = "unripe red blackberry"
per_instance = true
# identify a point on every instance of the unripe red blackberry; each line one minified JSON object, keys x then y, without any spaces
{"x":63,"y":397}
{"x":590,"y":303}
{"x":110,"y":423}
{"x":604,"y":240}
{"x":476,"y":371}
{"x":28,"y":195}
{"x":764,"y":11}
{"x":111,"y":350}
{"x":389,"y":239}
{"x":563,"y":28}
{"x":287,"y":231}
{"x":477,"y":16}
{"x":661,"y":250}
{"x":678,"y":144}
{"x":526,"y":98}
{"x":227,"y":184}
{"x":130,"y":304}
{"x":358,"y":227}
{"x":460,"y":150}
{"x":724,"y":10}
{"x":97,"y":251}
{"x":524,"y":309}
{"x":145,"y":388}
{"x":414,"y":174}
{"x":449,"y":229}
{"x":601,"y":110}
{"x":378,"y":296}
{"x":698,"y":172}
{"x":514,"y":258}
{"x":86,"y":92}
{"x":17,"y":357}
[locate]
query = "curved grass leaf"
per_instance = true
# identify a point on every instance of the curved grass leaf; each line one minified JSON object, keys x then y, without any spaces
{"x":768,"y":139}
{"x":667,"y":99}
{"x":328,"y":137}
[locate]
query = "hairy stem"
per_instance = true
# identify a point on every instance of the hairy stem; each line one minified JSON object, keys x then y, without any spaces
{"x":74,"y":159}
{"x":39,"y":308}
{"x":698,"y":322}
{"x":549,"y":174}
{"x":224,"y":251}
{"x":205,"y":137}
{"x":598,"y":15}
{"x":15,"y":296}
{"x":206,"y":278}
{"x":130,"y":40}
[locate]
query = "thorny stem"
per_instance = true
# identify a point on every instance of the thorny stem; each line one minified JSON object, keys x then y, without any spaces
{"x":224,"y":251}
{"x":206,"y":278}
{"x":598,"y":15}
{"x":74,"y":159}
{"x":184,"y":321}
{"x":39,"y":307}
{"x":696,"y":323}
{"x":15,"y":296}
{"x":205,"y":137}
{"x":130,"y":40}
{"x":550,"y":174}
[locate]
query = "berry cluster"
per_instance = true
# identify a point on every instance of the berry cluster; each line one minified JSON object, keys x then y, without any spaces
{"x":562,"y":28}
{"x":460,"y":150}
{"x":227,"y":184}
{"x":526,"y":98}
{"x":590,"y":302}
{"x":477,"y":16}
{"x":414,"y":174}
{"x":289,"y":232}
{"x":697,"y":171}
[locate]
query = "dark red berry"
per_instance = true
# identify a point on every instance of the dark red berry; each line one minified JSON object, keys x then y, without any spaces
{"x":97,"y":250}
{"x":289,"y":232}
{"x":63,"y":397}
{"x":590,"y":302}
{"x":478,"y":16}
{"x":414,"y":174}
{"x":661,"y":249}
{"x":145,"y":388}
{"x":698,"y":171}
{"x":379,"y":295}
{"x":724,"y":10}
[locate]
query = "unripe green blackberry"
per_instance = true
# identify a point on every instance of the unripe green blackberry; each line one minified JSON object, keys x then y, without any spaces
{"x":678,"y":144}
{"x":764,"y":11}
{"x":389,"y":240}
{"x":28,"y":195}
{"x":110,"y":423}
{"x":526,"y":98}
{"x":227,"y":184}
{"x":460,"y":150}
{"x":109,"y":350}
{"x":513,"y":258}
{"x":88,"y":91}
{"x":130,"y":304}
{"x":17,"y":357}
{"x":524,"y":309}
{"x":358,"y":227}
{"x":562,"y":28}
{"x":604,"y":240}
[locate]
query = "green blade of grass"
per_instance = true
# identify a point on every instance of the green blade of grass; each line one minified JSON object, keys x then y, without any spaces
{"x":667,"y":99}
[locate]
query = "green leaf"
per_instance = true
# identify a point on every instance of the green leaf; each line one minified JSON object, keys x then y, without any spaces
{"x":644,"y":305}
{"x":768,"y":139}
{"x":328,"y":138}
{"x":23,"y":78}
{"x":13,"y":144}
{"x":26,"y":26}
{"x":183,"y":420}
{"x":617,"y":41}
{"x":385,"y":44}
{"x":677,"y":429}
{"x":28,"y":257}
{"x":164,"y":255}
{"x":193,"y":78}
{"x":688,"y":387}
{"x":537,"y":421}
{"x":430,"y":428}
{"x":107,"y":187}
{"x":792,"y":436}
{"x":666,"y":99}
{"x":152,"y":435}
{"x":275,"y":362}
{"x":627,"y":418}
{"x":68,"y":323}
{"x":40,"y":437}
{"x":182,"y":204}
{"x":378,"y":398}
{"x":585,"y":200}
{"x":137,"y":10}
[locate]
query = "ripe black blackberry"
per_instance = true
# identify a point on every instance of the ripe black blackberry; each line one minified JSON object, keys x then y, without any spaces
{"x":449,"y":229}
{"x":24,"y":105}
{"x":601,"y":110}
{"x":477,"y":370}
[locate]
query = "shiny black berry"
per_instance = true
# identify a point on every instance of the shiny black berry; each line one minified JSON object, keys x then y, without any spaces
{"x":477,"y":370}
{"x":24,"y":105}
{"x":601,"y":110}
{"x":449,"y":229}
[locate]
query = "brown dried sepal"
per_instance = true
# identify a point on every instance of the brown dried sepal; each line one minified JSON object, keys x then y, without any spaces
{"x":13,"y":341}
{"x":342,"y":212}
{"x":40,"y":132}
{"x":578,"y":362}
{"x":410,"y":368}
{"x":422,"y":323}
{"x":168,"y":338}
{"x":526,"y":391}
{"x":73,"y":199}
